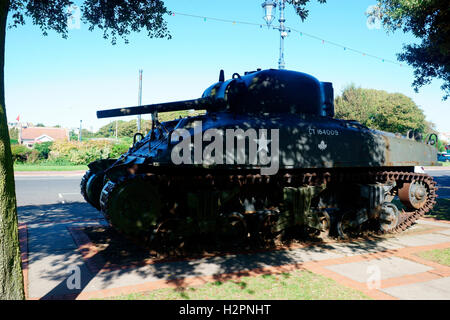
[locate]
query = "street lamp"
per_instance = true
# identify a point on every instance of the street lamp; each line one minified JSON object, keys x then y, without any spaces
{"x":269,"y":11}
{"x":269,"y":15}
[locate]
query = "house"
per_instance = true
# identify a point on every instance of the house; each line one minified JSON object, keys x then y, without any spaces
{"x":30,"y":136}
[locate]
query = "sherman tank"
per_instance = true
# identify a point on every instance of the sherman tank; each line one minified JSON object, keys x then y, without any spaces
{"x":266,"y":157}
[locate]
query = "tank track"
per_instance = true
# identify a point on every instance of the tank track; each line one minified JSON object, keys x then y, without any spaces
{"x":219,"y":181}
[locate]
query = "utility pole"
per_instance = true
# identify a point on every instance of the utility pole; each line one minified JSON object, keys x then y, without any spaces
{"x":117,"y":127}
{"x":79,"y":132}
{"x":269,"y":15}
{"x":283,"y":34}
{"x":139,"y":101}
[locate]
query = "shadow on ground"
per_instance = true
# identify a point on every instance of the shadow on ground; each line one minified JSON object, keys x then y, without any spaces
{"x":120,"y":257}
{"x":57,"y":212}
{"x":51,"y":250}
{"x":54,"y":253}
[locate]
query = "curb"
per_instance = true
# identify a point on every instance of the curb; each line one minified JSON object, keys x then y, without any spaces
{"x":440,"y":168}
{"x":23,"y":244}
{"x":49,"y":173}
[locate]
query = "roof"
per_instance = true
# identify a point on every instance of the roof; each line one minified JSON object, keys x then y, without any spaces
{"x":36,"y":132}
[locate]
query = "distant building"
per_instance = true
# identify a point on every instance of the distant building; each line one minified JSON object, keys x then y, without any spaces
{"x":30,"y":136}
{"x":20,"y":124}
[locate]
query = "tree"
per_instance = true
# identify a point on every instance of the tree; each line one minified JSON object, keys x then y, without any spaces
{"x":40,"y":125}
{"x":300,"y":7}
{"x":14,"y":133}
{"x":43,"y":148}
{"x":377,"y":109}
{"x":86,"y":134}
{"x":124,"y":128}
{"x":116,"y":19}
{"x":429,"y":21}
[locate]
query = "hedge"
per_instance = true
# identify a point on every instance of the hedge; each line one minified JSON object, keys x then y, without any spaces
{"x":69,"y":152}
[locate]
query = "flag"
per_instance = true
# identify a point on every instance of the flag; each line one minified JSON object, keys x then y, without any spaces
{"x":18,"y":117}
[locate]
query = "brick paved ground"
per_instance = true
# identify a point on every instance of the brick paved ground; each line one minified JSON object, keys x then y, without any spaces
{"x":50,"y":254}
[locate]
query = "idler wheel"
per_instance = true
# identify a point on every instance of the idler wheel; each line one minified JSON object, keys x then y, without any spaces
{"x":389,"y":217}
{"x":134,"y":206}
{"x":413,"y":195}
{"x":94,"y":188}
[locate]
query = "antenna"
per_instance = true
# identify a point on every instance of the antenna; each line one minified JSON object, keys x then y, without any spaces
{"x":139,"y":101}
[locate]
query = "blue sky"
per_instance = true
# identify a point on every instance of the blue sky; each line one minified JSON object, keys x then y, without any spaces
{"x":57,"y":81}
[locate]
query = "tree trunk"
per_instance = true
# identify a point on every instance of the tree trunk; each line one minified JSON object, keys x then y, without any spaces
{"x":11,"y":279}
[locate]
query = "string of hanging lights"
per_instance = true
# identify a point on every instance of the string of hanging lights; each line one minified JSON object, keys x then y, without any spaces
{"x":284,"y":31}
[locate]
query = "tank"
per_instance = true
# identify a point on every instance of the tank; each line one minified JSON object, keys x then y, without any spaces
{"x":266,"y":158}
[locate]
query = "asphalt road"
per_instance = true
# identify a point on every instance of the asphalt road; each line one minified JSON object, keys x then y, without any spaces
{"x":51,"y":190}
{"x":47,"y":190}
{"x":442,"y":178}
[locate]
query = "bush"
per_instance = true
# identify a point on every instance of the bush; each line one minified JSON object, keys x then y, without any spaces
{"x":43,"y":149}
{"x":84,"y":152}
{"x":69,"y":152}
{"x":441,"y":146}
{"x":33,"y":156}
{"x":85,"y":156}
{"x":20,"y":153}
{"x":118,"y":150}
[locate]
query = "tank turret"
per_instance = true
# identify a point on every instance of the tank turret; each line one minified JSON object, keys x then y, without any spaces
{"x":267,"y":91}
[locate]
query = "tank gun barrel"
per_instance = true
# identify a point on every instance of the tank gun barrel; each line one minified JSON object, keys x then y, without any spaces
{"x":196,"y":104}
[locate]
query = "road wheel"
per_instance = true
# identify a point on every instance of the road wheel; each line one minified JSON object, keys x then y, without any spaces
{"x":389,"y":217}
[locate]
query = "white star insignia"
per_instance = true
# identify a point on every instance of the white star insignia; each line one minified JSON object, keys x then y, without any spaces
{"x":263,"y":143}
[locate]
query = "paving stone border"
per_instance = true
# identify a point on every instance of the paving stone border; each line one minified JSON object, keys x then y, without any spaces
{"x":23,"y":245}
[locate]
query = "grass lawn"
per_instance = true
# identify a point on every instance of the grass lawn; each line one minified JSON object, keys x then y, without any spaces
{"x":445,"y":164}
{"x":298,"y":285}
{"x":441,"y":256}
{"x":441,"y":210}
{"x":43,"y":167}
